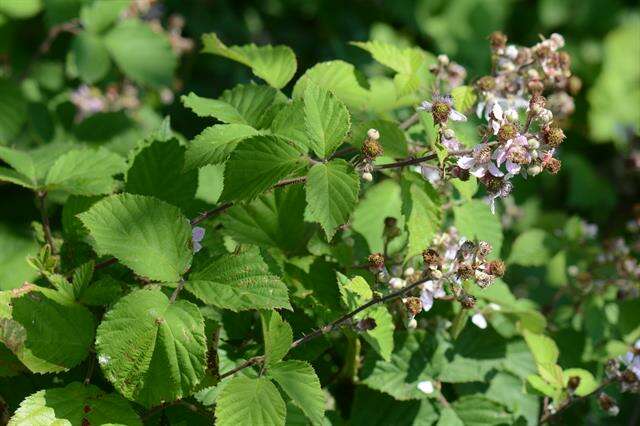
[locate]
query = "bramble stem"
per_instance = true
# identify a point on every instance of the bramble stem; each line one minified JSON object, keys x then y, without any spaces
{"x":46,"y":226}
{"x":177,"y":290}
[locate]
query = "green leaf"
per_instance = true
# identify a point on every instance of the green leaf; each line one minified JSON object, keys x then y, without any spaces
{"x":539,"y":385}
{"x":289,"y":123}
{"x":91,"y":57}
{"x":98,"y":15}
{"x":239,"y":282}
{"x":152,"y":350}
{"x":375,"y":408}
{"x":421,"y":208}
{"x":45,"y":332}
{"x":302,"y":385}
{"x":210,"y":183}
{"x":326,"y":119}
{"x":74,"y":404}
{"x":256,"y":165}
{"x":250,"y":401}
{"x":247,"y":104}
{"x":475,"y":220}
{"x":20,"y":9}
{"x":543,"y":348}
{"x":272,"y":220}
{"x":409,"y":364}
{"x":332,"y":192}
{"x":276,"y":65}
{"x":468,"y":188}
{"x":277,"y":335}
{"x":215,"y":143}
{"x":529,"y":249}
{"x":85,"y":172}
{"x":448,"y":417}
{"x":22,"y":162}
{"x":157,"y":170}
{"x":16,"y":243}
{"x":142,"y":54}
{"x":477,"y":410}
{"x":13,"y":110}
{"x":338,"y":77}
{"x":148,"y":235}
{"x":588,"y":383}
{"x":464,"y":98}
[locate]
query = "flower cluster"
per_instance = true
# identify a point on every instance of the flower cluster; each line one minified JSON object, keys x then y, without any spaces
{"x":90,"y":100}
{"x":445,"y":70}
{"x":626,"y":369}
{"x":371,"y":149}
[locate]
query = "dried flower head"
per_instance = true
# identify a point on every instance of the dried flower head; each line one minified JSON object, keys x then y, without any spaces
{"x":413,"y":305}
{"x":496,"y":268}
{"x":376,"y":261}
{"x":467,"y":301}
{"x":553,"y":136}
{"x":372,"y":149}
{"x":431,"y":259}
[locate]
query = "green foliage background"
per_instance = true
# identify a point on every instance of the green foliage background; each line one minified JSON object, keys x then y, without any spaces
{"x":596,"y":182}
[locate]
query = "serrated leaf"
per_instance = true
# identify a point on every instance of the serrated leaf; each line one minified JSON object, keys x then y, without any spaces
{"x":468,"y":188}
{"x":543,"y":348}
{"x":530,"y":248}
{"x":539,"y":385}
{"x":421,"y":208}
{"x":157,"y":170}
{"x":302,"y":385}
{"x":477,"y":410}
{"x":97,"y":15}
{"x":464,"y":98}
{"x":91,"y":57}
{"x":332,"y":192}
{"x":142,"y":54}
{"x":85,"y":172}
{"x":148,"y":235}
{"x":376,"y":408}
{"x":474,"y":219}
{"x":152,"y":350}
{"x":326,"y":119}
{"x":22,"y":162}
{"x":338,"y":77}
{"x":277,"y":335}
{"x":215,"y":143}
{"x":289,"y":124}
{"x":74,"y":404}
{"x":274,"y":64}
{"x":46,"y":333}
{"x":250,"y":401}
{"x":239,"y":282}
{"x":257,"y":164}
{"x":16,"y":243}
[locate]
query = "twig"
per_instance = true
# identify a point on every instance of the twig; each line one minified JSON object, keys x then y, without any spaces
{"x":343,"y":151}
{"x":46,"y":226}
{"x":291,"y":181}
{"x":209,"y":213}
{"x":409,"y":121}
{"x":177,"y":291}
{"x":70,"y":27}
{"x":407,"y":162}
{"x":329,"y":327}
{"x":92,"y":364}
{"x":570,"y":401}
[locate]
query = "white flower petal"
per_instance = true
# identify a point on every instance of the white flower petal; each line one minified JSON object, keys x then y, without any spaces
{"x":457,"y":116}
{"x":479,"y":320}
{"x":426,"y":297}
{"x":478,"y":170}
{"x":426,"y":386}
{"x":494,"y":170}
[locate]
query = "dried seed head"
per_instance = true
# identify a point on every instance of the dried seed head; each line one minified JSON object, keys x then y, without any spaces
{"x":507,"y":132}
{"x":372,"y":149}
{"x":467,"y":301}
{"x":493,"y":183}
{"x":482,"y":155}
{"x":554,"y":136}
{"x":486,"y":83}
{"x":431,"y":258}
{"x":553,"y":165}
{"x":498,"y":40}
{"x":441,"y":111}
{"x":496,"y":268}
{"x":376,"y":261}
{"x":413,"y":305}
{"x":484,"y":248}
{"x":465,"y":271}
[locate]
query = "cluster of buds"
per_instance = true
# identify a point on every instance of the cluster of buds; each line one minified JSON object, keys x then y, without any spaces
{"x":449,"y":72}
{"x":626,"y":369}
{"x":91,"y":100}
{"x":371,"y":149}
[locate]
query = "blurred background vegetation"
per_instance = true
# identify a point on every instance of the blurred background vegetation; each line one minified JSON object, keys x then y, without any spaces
{"x":601,"y":157}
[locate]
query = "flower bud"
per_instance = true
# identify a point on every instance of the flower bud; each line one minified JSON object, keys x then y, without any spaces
{"x":534,"y":169}
{"x":371,"y":149}
{"x":373,"y":134}
{"x":535,"y":86}
{"x":496,"y":268}
{"x":443,"y":60}
{"x":396,"y":283}
{"x":449,"y":134}
{"x":511,"y":52}
{"x":533,"y":143}
{"x":412,"y":324}
{"x":545,"y":115}
{"x":367,"y":176}
{"x":574,"y":85}
{"x":498,"y":40}
{"x":486,"y":83}
{"x":467,"y":301}
{"x":554,"y":136}
{"x":507,"y":132}
{"x":608,"y":404}
{"x":413,"y":305}
{"x":431,"y":259}
{"x":376,"y":261}
{"x":553,"y":165}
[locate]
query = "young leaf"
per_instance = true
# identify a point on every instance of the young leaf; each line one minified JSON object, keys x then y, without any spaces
{"x":13,"y":109}
{"x":277,"y":335}
{"x":543,"y":348}
{"x":338,"y":77}
{"x":302,"y":385}
{"x":22,"y":163}
{"x":588,"y":383}
{"x":422,"y":213}
{"x":74,"y":404}
{"x":276,"y":65}
{"x":289,"y":124}
{"x":157,"y":170}
{"x":464,"y":98}
{"x":148,"y":235}
{"x":326,"y":119}
{"x":144,"y":55}
{"x":250,"y":401}
{"x":256,"y":165}
{"x":152,"y":350}
{"x":215,"y":143}
{"x":247,"y":104}
{"x":44,"y":331}
{"x":475,"y":220}
{"x":239,"y":282}
{"x":332,"y":193}
{"x":85,"y":172}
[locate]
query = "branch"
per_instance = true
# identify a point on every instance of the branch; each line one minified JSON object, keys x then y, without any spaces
{"x":570,"y":401}
{"x":331,"y":326}
{"x":209,"y":213}
{"x":407,"y":162}
{"x":409,"y":121}
{"x":46,"y":226}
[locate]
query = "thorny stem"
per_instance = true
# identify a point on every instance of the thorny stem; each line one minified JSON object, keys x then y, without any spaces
{"x":548,"y":416}
{"x":329,"y":327}
{"x":46,"y":226}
